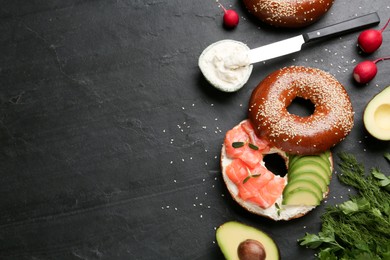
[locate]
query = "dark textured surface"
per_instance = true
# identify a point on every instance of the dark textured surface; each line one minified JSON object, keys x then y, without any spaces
{"x":110,"y":136}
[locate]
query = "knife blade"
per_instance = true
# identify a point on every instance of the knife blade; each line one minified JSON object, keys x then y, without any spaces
{"x":295,"y":44}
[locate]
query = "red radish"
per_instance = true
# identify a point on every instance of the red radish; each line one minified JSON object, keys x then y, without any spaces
{"x":370,"y":40}
{"x":365,"y":71}
{"x":230,"y":18}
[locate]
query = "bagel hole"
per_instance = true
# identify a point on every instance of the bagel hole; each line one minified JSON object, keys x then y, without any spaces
{"x":276,"y":164}
{"x":301,"y":107}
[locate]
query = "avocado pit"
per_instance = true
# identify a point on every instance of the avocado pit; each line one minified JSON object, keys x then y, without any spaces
{"x":251,"y":249}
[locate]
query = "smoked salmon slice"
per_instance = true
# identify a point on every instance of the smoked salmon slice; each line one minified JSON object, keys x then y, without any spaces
{"x":264,"y":196}
{"x":247,"y":151}
{"x":235,"y":135}
{"x":260,"y":143}
{"x":265,"y":177}
{"x":250,"y":192}
{"x":254,"y":181}
{"x":237,"y":171}
{"x":274,"y":189}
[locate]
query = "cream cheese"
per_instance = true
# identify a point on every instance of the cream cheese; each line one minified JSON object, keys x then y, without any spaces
{"x":225,"y":64}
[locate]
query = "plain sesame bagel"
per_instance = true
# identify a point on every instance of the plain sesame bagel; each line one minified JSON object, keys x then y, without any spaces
{"x":288,"y":13}
{"x":239,"y":188}
{"x":330,"y":123}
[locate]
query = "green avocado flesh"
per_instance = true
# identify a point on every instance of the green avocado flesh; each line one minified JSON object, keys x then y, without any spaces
{"x":313,"y":168}
{"x":230,"y":234}
{"x":304,"y":183}
{"x":310,"y":176}
{"x":309,"y":160}
{"x":325,"y":156}
{"x":301,"y":196}
{"x":308,"y":179}
{"x":376,"y":117}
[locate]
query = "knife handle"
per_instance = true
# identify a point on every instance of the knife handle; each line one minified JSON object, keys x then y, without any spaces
{"x":343,"y":27}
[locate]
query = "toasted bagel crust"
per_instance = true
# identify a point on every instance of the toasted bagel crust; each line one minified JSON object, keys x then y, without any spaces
{"x":288,"y":13}
{"x":330,"y":123}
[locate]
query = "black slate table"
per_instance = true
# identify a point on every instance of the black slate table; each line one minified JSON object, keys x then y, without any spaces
{"x":110,"y":136}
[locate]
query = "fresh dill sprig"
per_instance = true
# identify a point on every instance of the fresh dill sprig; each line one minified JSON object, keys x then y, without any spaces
{"x":360,"y":227}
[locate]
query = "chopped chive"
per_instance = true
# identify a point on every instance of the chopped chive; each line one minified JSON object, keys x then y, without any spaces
{"x":246,"y":179}
{"x":237,"y":144}
{"x":254,"y":147}
{"x":278,"y":208}
{"x":256,"y":175}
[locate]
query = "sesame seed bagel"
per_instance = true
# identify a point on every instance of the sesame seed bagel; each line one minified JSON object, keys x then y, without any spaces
{"x":288,"y":13}
{"x":330,"y":123}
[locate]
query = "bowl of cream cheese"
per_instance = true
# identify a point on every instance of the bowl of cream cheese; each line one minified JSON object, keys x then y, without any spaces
{"x":226,"y":65}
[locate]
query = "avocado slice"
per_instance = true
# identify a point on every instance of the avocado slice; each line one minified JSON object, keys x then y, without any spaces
{"x":301,"y":196}
{"x":324,"y":156}
{"x":231,"y":234}
{"x":321,"y":157}
{"x":310,"y":176}
{"x":376,"y":117}
{"x":310,"y":167}
{"x":303,"y":183}
{"x":311,"y":162}
{"x":292,"y":158}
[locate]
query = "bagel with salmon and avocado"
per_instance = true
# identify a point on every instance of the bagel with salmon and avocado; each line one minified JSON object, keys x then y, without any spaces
{"x":264,"y":193}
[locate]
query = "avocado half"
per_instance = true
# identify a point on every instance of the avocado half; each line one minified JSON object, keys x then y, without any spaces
{"x":376,"y":117}
{"x":230,"y":235}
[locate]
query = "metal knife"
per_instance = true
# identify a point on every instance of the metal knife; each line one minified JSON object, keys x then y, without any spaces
{"x":295,"y":44}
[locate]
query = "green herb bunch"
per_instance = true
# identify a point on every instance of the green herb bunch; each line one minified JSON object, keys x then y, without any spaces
{"x":360,"y":227}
